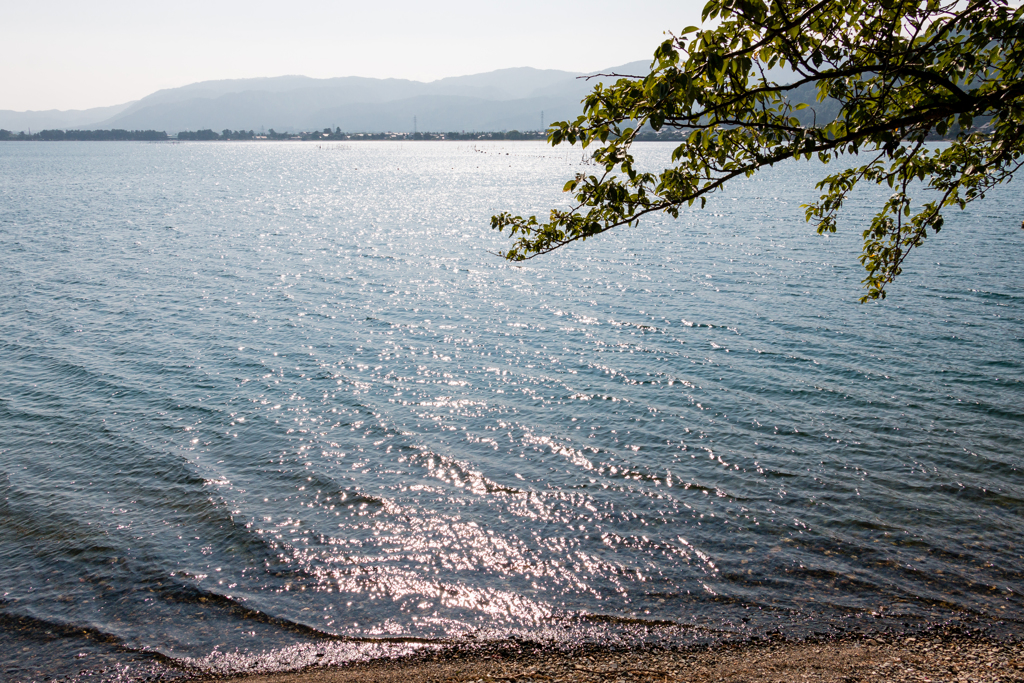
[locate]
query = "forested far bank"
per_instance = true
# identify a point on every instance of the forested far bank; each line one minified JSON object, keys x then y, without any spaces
{"x":116,"y":134}
{"x":326,"y":134}
{"x":210,"y":135}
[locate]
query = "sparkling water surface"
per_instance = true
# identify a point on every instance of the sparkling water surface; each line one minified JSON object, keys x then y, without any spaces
{"x":270,"y":405}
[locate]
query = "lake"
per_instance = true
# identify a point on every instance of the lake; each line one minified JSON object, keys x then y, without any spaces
{"x":267,"y":405}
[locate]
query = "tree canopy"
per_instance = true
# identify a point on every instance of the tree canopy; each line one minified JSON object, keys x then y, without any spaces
{"x":885,"y":76}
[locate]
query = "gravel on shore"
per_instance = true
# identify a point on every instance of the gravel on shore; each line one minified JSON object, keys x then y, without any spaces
{"x":920,"y":659}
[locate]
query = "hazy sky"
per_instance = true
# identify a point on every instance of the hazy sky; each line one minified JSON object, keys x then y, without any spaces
{"x":59,"y":54}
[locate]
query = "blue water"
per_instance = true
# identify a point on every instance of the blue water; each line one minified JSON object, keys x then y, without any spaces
{"x":270,"y":405}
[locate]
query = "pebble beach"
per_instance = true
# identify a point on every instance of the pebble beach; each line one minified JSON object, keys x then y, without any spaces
{"x":960,"y":659}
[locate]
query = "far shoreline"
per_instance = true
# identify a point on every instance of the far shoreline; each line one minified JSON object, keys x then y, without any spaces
{"x":207,"y":135}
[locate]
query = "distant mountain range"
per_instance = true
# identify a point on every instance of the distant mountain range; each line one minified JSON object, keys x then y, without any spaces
{"x":500,"y":100}
{"x":75,"y":118}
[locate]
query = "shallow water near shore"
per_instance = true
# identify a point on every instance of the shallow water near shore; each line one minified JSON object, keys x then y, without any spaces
{"x":271,"y":405}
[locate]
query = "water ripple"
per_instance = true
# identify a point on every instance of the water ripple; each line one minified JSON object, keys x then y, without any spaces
{"x":266,"y":407}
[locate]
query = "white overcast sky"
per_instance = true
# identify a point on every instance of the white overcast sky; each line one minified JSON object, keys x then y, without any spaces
{"x":62,"y":54}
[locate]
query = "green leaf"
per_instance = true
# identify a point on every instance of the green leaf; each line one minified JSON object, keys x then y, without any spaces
{"x":869,"y":89}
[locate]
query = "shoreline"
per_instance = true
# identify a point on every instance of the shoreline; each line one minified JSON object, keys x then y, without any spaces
{"x":924,"y":657}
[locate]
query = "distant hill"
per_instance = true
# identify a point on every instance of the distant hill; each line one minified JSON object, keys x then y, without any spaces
{"x":75,"y":118}
{"x":498,"y":100}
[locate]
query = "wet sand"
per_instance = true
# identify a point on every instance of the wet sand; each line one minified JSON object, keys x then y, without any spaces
{"x":919,"y":659}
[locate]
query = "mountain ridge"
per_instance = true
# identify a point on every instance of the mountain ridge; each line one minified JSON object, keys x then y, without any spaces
{"x":504,"y":99}
{"x":57,"y":118}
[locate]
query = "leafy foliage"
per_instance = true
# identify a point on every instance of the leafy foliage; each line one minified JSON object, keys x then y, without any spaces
{"x":895,"y":73}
